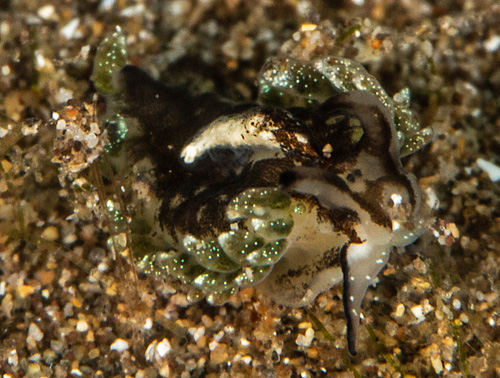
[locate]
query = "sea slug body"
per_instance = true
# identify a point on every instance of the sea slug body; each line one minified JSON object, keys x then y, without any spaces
{"x":293,"y":195}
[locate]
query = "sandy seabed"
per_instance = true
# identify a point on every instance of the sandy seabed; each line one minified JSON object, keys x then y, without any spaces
{"x":68,"y":308}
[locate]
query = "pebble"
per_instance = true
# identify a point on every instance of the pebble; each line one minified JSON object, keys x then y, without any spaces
{"x":34,"y":370}
{"x":218,"y":337}
{"x":13,"y":359}
{"x":491,"y":169}
{"x":418,"y":312}
{"x":306,"y":339}
{"x":82,"y":325}
{"x":35,"y":357}
{"x":47,"y":276}
{"x":49,"y":356}
{"x":164,"y":370}
{"x":219,"y":354}
{"x":163,"y":348}
{"x":6,"y":165}
{"x":76,"y":372}
{"x":492,"y":44}
{"x":94,"y":353}
{"x":196,"y":332}
{"x":119,"y":345}
{"x":48,"y":12}
{"x":150,"y":351}
{"x":437,"y":364}
{"x":76,"y":302}
{"x":148,"y":324}
{"x":25,"y":290}
{"x":69,"y":30}
{"x":50,"y":233}
{"x":400,"y":310}
{"x":35,"y":333}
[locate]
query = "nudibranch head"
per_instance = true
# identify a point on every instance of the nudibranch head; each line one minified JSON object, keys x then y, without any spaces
{"x":294,"y":195}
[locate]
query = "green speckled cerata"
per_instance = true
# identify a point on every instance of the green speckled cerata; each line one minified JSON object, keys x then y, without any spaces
{"x":293,"y":195}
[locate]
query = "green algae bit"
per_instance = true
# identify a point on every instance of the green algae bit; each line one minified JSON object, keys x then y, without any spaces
{"x":110,"y":57}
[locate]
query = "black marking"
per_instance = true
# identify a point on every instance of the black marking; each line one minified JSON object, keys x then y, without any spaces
{"x":288,"y":178}
{"x":351,"y":319}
